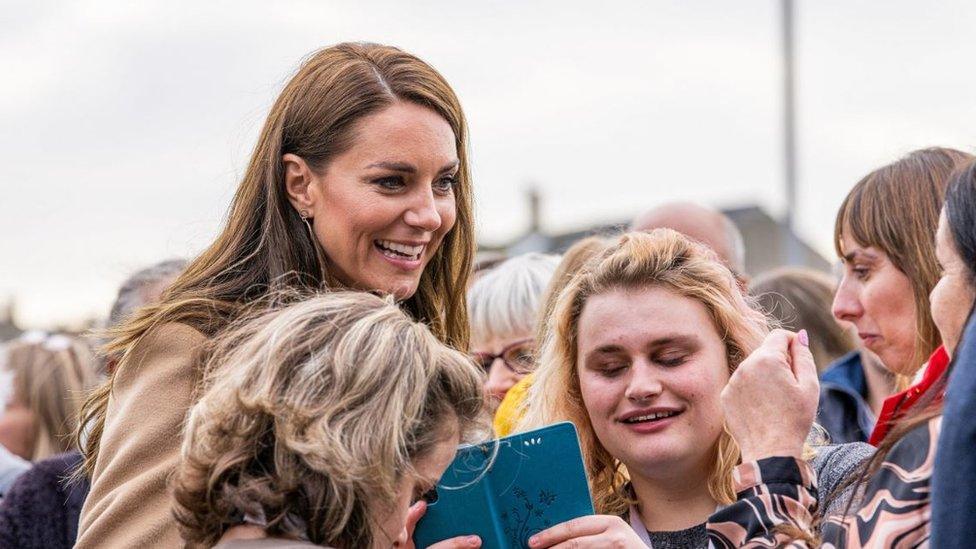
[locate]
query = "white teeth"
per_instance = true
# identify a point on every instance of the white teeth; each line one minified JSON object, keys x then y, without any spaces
{"x":650,"y":417}
{"x":413,"y":252}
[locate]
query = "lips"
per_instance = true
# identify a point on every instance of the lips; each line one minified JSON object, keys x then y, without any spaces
{"x":651,"y":415}
{"x":868,"y":339}
{"x":399,"y":250}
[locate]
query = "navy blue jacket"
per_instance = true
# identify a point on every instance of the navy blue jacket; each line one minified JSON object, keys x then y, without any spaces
{"x":954,"y":479}
{"x":843,"y":411}
{"x":42,"y":507}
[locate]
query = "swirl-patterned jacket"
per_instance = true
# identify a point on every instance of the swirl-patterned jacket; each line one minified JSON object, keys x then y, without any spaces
{"x":777,"y":499}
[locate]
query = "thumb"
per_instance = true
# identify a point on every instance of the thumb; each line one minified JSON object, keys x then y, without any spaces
{"x":801,"y":360}
{"x":414,"y":514}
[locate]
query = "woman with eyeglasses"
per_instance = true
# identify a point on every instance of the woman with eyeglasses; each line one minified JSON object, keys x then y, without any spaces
{"x":503,"y":305}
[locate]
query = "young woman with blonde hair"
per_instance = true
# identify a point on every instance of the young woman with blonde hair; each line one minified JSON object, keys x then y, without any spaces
{"x":322,"y":422}
{"x":641,"y":344}
{"x":359,"y":180}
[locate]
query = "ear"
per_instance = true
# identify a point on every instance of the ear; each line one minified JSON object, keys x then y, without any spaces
{"x":298,"y":182}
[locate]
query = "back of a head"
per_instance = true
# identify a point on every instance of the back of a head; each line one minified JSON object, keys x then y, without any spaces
{"x":896,"y":210}
{"x":311,"y":406}
{"x":800,"y":298}
{"x":701,"y":223}
{"x":505,"y":301}
{"x":50,"y":375}
{"x":143,"y":287}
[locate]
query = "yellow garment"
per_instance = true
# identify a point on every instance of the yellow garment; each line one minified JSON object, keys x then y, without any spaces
{"x":510,"y":410}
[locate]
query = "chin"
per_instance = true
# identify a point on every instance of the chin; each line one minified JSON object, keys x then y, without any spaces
{"x":401,"y":289}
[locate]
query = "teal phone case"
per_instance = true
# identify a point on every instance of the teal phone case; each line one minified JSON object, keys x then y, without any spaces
{"x":535,"y":481}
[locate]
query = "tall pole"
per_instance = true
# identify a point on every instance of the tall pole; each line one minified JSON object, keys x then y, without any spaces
{"x":792,"y":252}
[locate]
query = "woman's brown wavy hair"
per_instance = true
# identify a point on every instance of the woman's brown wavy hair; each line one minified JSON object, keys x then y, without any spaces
{"x":661,"y":258}
{"x":896,"y":210}
{"x":265,"y":244}
{"x":311,"y":414}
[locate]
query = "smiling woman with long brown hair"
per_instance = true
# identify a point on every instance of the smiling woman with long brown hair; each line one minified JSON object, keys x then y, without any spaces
{"x":359,"y":180}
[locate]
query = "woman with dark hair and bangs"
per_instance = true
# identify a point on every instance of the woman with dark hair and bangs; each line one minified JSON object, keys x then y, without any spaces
{"x":359,"y":180}
{"x":778,"y":492}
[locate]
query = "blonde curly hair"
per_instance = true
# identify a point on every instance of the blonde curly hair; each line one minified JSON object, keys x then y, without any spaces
{"x":312,"y":413}
{"x":661,"y":258}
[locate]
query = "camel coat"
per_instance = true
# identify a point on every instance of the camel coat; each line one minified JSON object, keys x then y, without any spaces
{"x":130,"y":504}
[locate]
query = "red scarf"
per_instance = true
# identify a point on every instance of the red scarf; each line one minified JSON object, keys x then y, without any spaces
{"x":897,"y":404}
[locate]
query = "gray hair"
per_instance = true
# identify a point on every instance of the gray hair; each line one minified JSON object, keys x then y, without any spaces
{"x":140,"y":288}
{"x":505,"y":301}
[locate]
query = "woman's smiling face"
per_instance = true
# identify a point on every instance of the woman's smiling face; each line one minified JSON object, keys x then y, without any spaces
{"x":381,"y":209}
{"x":652,"y":367}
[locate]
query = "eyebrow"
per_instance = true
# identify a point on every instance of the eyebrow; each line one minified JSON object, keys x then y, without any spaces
{"x":671,"y":339}
{"x":853,"y":255}
{"x":409,"y":168}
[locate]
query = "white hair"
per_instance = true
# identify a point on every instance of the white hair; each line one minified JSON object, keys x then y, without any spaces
{"x":505,"y":301}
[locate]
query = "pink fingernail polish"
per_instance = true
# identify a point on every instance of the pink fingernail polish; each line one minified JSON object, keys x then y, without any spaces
{"x":804,"y":338}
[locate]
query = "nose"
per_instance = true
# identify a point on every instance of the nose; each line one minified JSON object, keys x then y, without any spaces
{"x":847,"y":304}
{"x":644,"y":383}
{"x":423,"y":213}
{"x":500,"y":380}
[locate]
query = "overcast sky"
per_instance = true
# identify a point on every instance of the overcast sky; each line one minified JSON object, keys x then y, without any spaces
{"x":126,"y":125}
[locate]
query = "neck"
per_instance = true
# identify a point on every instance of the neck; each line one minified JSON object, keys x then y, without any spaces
{"x":881,"y":384}
{"x":673,"y":503}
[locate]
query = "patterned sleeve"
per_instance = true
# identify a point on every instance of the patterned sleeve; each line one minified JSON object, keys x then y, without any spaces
{"x":777,"y":498}
{"x":776,"y":501}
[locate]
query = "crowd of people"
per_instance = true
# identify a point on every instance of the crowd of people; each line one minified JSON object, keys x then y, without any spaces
{"x":307,"y":378}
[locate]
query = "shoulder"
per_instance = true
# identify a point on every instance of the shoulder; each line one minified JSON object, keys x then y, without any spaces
{"x":510,"y":410}
{"x":916,"y":450}
{"x":51,"y":473}
{"x":266,"y":543}
{"x":844,"y":370}
{"x":835,"y":462}
{"x":44,"y":491}
{"x":172,"y":343}
{"x":170,"y":335}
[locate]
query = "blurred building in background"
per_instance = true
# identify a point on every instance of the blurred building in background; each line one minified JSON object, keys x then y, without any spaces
{"x":767,"y":240}
{"x":8,"y":328}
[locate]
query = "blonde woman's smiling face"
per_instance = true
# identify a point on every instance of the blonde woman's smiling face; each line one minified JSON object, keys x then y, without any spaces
{"x":652,"y":367}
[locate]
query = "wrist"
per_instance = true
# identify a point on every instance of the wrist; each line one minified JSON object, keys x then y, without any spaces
{"x":763,"y":452}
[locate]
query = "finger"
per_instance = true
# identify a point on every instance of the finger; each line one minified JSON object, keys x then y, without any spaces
{"x":571,"y":529}
{"x":457,"y":543}
{"x":802,"y":362}
{"x":588,"y":542}
{"x":416,"y":511}
{"x":778,"y":339}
